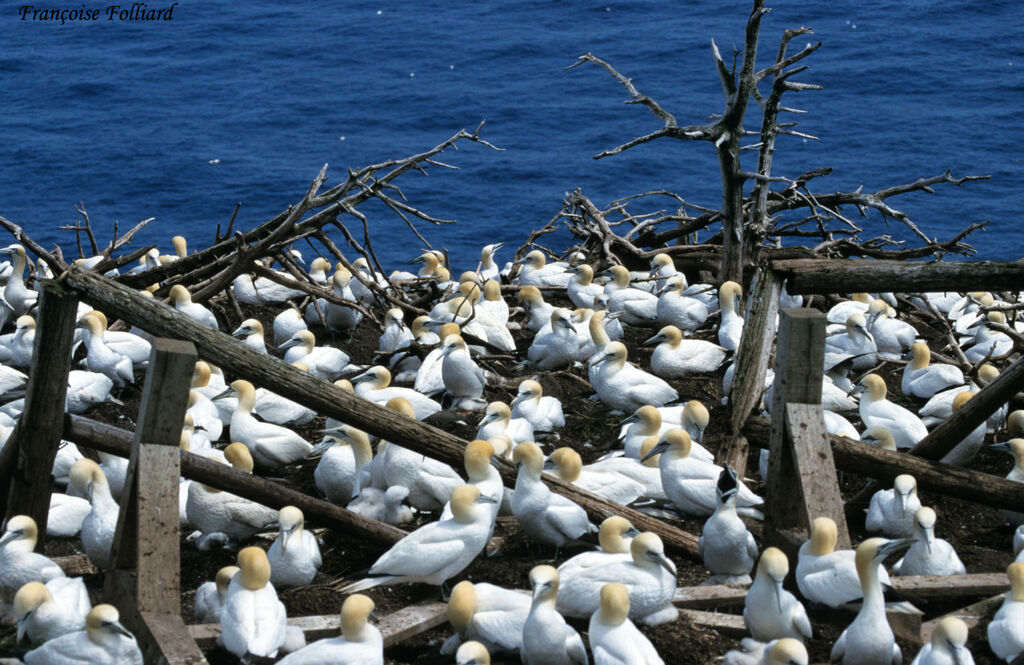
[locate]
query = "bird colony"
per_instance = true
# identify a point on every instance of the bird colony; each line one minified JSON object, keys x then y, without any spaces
{"x":507,"y":355}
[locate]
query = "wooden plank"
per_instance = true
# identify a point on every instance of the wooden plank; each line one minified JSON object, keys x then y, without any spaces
{"x":167,"y":640}
{"x":801,"y":483}
{"x":38,"y":434}
{"x":75,"y":565}
{"x":329,"y":400}
{"x":971,"y":615}
{"x":807,"y":276}
{"x":873,"y":462}
{"x":812,"y":455}
{"x":146,"y":544}
{"x":730,"y":625}
{"x":952,"y":586}
{"x":751,"y":367}
{"x":394,"y":628}
{"x":712,"y":596}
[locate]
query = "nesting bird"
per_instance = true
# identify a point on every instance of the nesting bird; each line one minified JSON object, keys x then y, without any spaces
{"x":47,"y":611}
{"x":271,"y":445}
{"x":210,"y":596}
{"x":623,"y":386}
{"x":928,"y":555}
{"x":547,"y":638}
{"x":103,"y":642}
{"x":542,"y":411}
{"x":726,"y":546}
{"x":891,"y":512}
{"x":360,"y":642}
{"x":947,"y":646}
{"x":825,"y":575}
{"x":488,"y":614}
{"x":295,"y":556}
{"x":614,"y":640}
{"x":252,"y":620}
{"x":100,"y":524}
{"x":546,"y":517}
{"x":876,"y":411}
{"x":770,"y":612}
{"x":437,"y":550}
{"x":19,"y":564}
{"x":1006,"y":630}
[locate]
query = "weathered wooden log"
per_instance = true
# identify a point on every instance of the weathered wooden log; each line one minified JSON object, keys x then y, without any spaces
{"x":951,"y":481}
{"x":116,"y":441}
{"x":30,"y":451}
{"x":805,"y":276}
{"x":751,"y":366}
{"x":329,"y":400}
{"x":952,"y":430}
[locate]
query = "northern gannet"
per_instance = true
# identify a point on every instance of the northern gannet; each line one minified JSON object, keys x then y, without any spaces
{"x":100,"y":357}
{"x":286,"y":324}
{"x":676,"y":309}
{"x":646,"y":472}
{"x":103,"y":642}
{"x":730,"y":329}
{"x":690,"y":483}
{"x":47,"y":611}
{"x":869,"y":640}
{"x":988,"y":342}
{"x":644,"y":422}
{"x":253,"y":620}
{"x":544,"y":412}
{"x":498,"y":420}
{"x":19,"y":564}
{"x":480,"y":472}
{"x":251,"y":332}
{"x":928,"y":555}
{"x":546,"y":517}
{"x":537,"y":272}
{"x":892,"y":337}
{"x":18,"y":296}
{"x":547,"y":638}
{"x":1006,"y":630}
{"x":99,"y":525}
{"x":375,"y":385}
{"x":181,"y":300}
{"x":325,"y":362}
{"x":567,"y":464}
{"x":891,"y":512}
{"x":338,"y":317}
{"x":876,"y":411}
{"x":637,"y":306}
{"x":649,"y":576}
{"x":492,"y":304}
{"x":231,"y":517}
{"x":538,"y":312}
{"x":825,"y":575}
{"x":360,"y":642}
{"x":127,"y":344}
{"x":786,"y":651}
{"x":726,"y":546}
{"x":487,"y":269}
{"x":273,"y":408}
{"x":65,"y":516}
{"x":438,"y":550}
{"x":770,"y":612}
{"x":429,"y":481}
{"x":295,"y":556}
{"x":396,"y":334}
{"x":923,"y":380}
{"x":841,"y":312}
{"x":581,"y":288}
{"x":463,"y":379}
{"x":856,"y":343}
{"x":429,"y":378}
{"x":558,"y":348}
{"x":385,"y":506}
{"x":210,"y":596}
{"x":489,"y":614}
{"x":1014,"y":447}
{"x":615,"y":537}
{"x":623,"y":386}
{"x":344,"y":455}
{"x":472,"y":653}
{"x":948,"y":645}
{"x":674,"y":357}
{"x":614,"y":640}
{"x":271,"y":445}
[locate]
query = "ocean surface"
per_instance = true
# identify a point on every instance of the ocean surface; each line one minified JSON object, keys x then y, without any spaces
{"x":244,"y":102}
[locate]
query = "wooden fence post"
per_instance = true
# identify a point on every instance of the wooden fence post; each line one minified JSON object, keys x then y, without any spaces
{"x":801,"y":481}
{"x":145,"y":578}
{"x":33,"y":445}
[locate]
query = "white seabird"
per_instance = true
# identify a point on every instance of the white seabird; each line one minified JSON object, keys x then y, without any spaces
{"x":614,"y":640}
{"x":547,"y":638}
{"x":295,"y":556}
{"x":770,"y":612}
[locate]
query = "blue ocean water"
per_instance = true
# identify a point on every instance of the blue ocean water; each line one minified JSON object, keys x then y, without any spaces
{"x":243,"y":102}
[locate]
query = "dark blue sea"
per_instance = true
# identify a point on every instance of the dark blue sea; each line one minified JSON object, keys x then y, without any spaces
{"x":243,"y":102}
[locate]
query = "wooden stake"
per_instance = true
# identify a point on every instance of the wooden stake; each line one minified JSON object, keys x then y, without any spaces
{"x":146,"y":560}
{"x":38,"y":434}
{"x":801,"y":482}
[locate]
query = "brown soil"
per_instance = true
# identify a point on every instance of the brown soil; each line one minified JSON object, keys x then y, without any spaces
{"x":978,"y":533}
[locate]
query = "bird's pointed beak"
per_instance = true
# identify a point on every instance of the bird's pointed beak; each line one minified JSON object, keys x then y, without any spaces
{"x":294,"y":341}
{"x":21,"y":629}
{"x":654,"y":340}
{"x":658,"y":449}
{"x":520,"y":398}
{"x":778,"y":593}
{"x":228,"y":392}
{"x":549,"y":465}
{"x":663,"y":561}
{"x":116,"y":627}
{"x":858,"y":389}
{"x":631,"y":419}
{"x":1004,"y":447}
{"x":895,"y":546}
